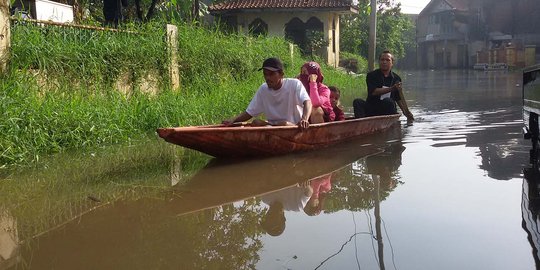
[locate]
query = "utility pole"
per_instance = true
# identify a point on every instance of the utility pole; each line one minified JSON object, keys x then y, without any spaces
{"x":372,"y":35}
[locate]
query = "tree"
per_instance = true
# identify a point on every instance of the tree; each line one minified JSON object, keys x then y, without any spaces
{"x":393,"y":29}
{"x":354,"y":31}
{"x":314,"y":41}
{"x":150,"y":12}
{"x":116,"y":11}
{"x":112,"y":11}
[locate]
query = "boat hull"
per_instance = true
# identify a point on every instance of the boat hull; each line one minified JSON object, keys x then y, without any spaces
{"x":247,"y":141}
{"x":531,"y":110}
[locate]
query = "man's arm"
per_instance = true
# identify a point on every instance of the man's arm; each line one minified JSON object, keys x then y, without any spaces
{"x":314,"y":91}
{"x":244,"y":116}
{"x":306,"y":113}
{"x":373,"y":82}
{"x":403,"y":105}
{"x":382,"y":91}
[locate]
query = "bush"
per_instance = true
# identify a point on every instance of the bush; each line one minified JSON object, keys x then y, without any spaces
{"x":353,"y":63}
{"x":80,"y":107}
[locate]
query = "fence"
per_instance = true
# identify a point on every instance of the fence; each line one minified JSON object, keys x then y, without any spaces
{"x":512,"y":56}
{"x":123,"y":83}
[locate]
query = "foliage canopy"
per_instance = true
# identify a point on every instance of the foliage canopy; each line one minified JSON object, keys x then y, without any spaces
{"x":395,"y":31}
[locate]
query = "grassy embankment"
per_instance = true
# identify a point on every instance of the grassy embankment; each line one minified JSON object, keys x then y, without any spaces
{"x":79,"y":107}
{"x":73,"y":105}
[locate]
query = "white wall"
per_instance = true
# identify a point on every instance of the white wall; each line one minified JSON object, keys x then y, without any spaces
{"x":53,"y":11}
{"x":276,"y":27}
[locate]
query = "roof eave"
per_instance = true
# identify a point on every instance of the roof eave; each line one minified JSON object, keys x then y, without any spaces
{"x":432,"y":2}
{"x":343,"y":10}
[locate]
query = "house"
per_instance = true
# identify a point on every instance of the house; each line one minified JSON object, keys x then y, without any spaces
{"x":291,"y":19}
{"x":462,"y":33}
{"x":443,"y":34}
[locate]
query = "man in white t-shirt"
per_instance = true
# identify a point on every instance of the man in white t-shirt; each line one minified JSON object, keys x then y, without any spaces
{"x":283,"y":101}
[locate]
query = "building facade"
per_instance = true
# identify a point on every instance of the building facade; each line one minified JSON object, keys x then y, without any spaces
{"x":293,"y":20}
{"x":462,"y":33}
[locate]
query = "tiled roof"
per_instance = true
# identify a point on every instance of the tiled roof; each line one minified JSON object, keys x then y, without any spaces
{"x":281,"y":4}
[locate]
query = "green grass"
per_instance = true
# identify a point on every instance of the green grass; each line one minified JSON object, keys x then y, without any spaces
{"x":72,"y":108}
{"x":68,"y":138}
{"x":91,"y":59}
{"x":79,"y":107}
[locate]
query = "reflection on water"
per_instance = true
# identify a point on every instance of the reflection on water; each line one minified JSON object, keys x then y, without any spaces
{"x":463,"y":90}
{"x":473,"y":109}
{"x":320,"y":187}
{"x":530,"y":208}
{"x":218,"y":218}
{"x":387,"y":201}
{"x":290,"y":199}
{"x":9,"y":240}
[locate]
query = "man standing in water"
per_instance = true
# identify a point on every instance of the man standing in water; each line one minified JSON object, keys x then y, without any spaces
{"x":384,"y":91}
{"x":283,"y":102}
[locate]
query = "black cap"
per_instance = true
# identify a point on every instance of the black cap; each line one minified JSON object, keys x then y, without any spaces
{"x":272,"y":64}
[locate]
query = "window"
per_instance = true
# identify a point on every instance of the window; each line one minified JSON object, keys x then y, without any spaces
{"x":258,"y":28}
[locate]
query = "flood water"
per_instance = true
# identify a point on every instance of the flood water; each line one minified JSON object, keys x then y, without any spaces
{"x":446,"y":192}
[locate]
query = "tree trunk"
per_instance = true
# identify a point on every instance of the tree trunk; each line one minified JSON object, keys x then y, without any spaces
{"x":195,"y":10}
{"x":151,"y":10}
{"x":138,"y":9}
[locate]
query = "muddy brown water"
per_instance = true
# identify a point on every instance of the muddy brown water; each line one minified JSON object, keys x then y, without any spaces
{"x":446,"y":192}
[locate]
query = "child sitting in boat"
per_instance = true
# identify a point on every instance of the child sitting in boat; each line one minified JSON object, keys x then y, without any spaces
{"x":336,"y":105}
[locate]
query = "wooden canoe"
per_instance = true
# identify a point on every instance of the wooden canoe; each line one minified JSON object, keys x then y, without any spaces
{"x":248,"y":141}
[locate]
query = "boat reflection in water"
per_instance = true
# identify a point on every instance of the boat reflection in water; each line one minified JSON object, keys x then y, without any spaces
{"x":220,"y":218}
{"x":225,"y":181}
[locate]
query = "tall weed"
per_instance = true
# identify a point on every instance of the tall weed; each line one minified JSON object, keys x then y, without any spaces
{"x":79,"y":107}
{"x":87,"y":57}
